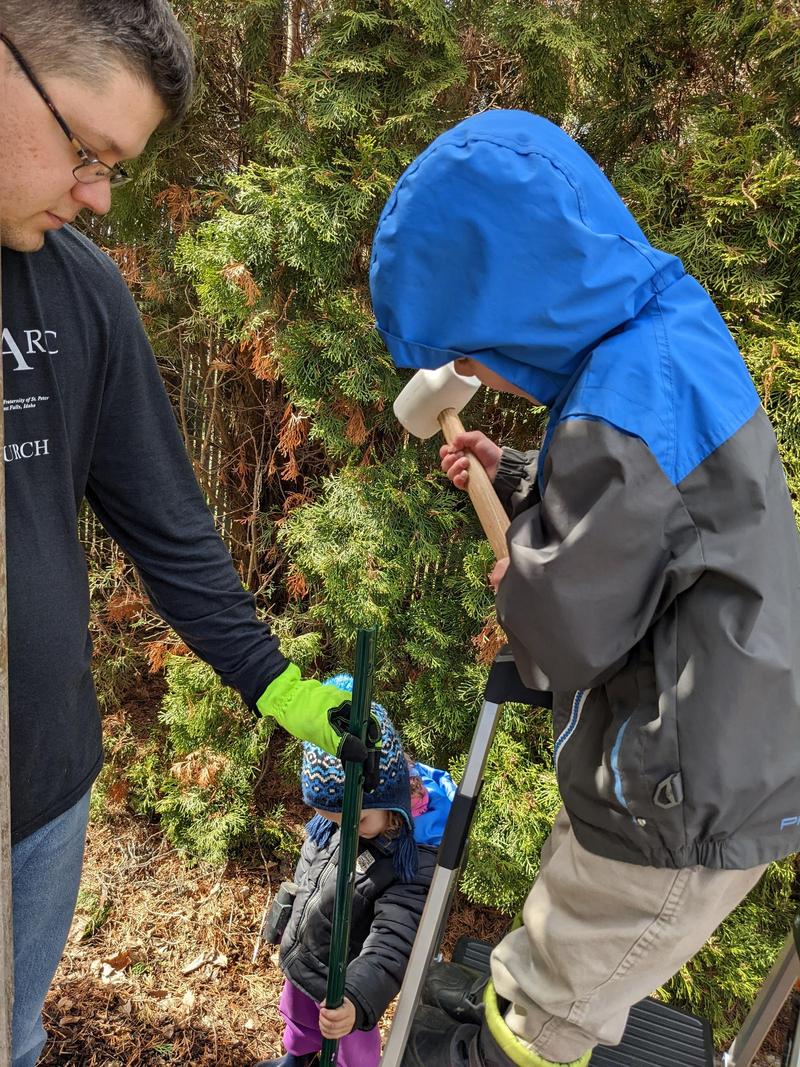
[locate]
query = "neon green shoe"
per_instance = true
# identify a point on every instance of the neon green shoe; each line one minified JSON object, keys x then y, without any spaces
{"x":437,"y":1039}
{"x":497,"y":1046}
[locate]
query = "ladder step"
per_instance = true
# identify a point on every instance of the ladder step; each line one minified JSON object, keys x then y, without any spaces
{"x":658,"y":1035}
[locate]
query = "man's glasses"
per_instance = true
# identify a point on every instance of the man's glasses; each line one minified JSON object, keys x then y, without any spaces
{"x":90,"y":170}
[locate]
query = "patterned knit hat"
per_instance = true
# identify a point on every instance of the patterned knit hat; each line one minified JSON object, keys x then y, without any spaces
{"x":322,"y":781}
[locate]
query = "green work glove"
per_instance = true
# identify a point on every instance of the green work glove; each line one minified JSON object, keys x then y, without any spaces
{"x":318,"y":713}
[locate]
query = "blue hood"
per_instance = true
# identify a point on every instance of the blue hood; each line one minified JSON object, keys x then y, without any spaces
{"x":505,"y":242}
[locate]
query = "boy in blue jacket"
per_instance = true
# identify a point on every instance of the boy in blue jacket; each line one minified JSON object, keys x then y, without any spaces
{"x":652,"y":579}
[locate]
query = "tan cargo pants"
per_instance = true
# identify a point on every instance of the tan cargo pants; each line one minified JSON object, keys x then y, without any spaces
{"x":598,"y":936}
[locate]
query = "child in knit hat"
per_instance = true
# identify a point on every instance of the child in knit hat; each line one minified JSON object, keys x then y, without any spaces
{"x":393,"y":873}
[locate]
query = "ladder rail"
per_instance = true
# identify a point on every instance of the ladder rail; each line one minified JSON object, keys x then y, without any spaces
{"x":774,"y":993}
{"x":443,"y":884}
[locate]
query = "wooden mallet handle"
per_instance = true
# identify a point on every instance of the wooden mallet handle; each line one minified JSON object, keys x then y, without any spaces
{"x":484,"y":499}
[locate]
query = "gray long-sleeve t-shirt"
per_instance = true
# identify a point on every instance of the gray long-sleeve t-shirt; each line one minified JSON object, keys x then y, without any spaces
{"x":87,"y":416}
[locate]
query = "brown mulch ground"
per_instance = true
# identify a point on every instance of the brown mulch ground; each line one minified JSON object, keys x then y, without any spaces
{"x":122,"y":995}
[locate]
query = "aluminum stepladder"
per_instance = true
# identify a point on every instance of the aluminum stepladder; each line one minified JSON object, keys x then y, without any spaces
{"x":504,"y":685}
{"x":657,"y":1035}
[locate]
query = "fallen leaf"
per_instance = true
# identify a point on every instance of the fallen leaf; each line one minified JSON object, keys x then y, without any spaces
{"x":119,"y":961}
{"x":197,"y":962}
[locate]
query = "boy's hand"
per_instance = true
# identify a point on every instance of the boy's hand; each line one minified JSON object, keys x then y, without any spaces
{"x":455,"y":461}
{"x":337,"y":1022}
{"x":498,"y":573}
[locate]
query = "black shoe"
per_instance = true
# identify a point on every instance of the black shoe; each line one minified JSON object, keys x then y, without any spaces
{"x":436,"y":1040}
{"x":289,"y":1060}
{"x":456,"y":990}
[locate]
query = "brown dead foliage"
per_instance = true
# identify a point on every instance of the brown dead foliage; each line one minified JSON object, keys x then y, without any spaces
{"x":180,"y":203}
{"x":198,"y":769}
{"x":489,"y":641}
{"x":238,"y":274}
{"x":130,"y":260}
{"x":356,"y":430}
{"x":258,"y":350}
{"x":126,"y":605}
{"x":293,"y":433}
{"x":160,"y":650}
{"x":296,"y":585}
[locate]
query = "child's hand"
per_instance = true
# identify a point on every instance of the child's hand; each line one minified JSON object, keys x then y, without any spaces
{"x":455,"y":461}
{"x":337,"y":1022}
{"x":498,"y":573}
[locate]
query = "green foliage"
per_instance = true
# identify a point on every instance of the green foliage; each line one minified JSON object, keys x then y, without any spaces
{"x":518,"y":805}
{"x":380,"y":545}
{"x":93,"y":912}
{"x":200,"y":782}
{"x":276,"y":838}
{"x":339,"y":128}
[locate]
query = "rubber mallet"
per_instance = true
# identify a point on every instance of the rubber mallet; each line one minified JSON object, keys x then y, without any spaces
{"x":430,"y":402}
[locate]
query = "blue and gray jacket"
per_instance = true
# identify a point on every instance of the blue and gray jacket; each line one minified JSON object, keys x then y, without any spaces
{"x":654,"y":570}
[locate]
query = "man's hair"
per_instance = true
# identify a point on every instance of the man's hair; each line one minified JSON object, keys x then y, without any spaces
{"x":88,"y":39}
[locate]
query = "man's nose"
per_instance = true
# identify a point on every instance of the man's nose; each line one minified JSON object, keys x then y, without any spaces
{"x":95,"y":196}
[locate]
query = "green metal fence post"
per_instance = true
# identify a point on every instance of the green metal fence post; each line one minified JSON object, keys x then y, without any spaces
{"x":348,"y":836}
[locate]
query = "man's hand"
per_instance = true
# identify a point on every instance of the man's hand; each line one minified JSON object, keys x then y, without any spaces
{"x":318,"y":713}
{"x":455,"y":458}
{"x":337,"y":1022}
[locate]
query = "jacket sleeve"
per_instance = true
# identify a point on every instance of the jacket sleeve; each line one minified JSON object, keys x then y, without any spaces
{"x":142,"y":488}
{"x":515,"y":481}
{"x":376,"y":974}
{"x":596,"y":560}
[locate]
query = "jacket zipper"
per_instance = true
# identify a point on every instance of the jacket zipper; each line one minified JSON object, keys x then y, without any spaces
{"x":578,"y":704}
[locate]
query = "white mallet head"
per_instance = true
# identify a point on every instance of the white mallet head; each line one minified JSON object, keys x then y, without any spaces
{"x":428,"y":394}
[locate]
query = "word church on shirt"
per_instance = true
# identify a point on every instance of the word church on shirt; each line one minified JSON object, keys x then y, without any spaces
{"x":26,"y":450}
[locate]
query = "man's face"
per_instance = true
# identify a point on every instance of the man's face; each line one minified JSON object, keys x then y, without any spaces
{"x":113,"y":116}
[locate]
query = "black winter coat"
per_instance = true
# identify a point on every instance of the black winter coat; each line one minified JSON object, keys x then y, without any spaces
{"x":386,"y":914}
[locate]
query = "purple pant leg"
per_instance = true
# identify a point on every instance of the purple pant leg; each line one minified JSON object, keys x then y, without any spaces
{"x":362,"y":1048}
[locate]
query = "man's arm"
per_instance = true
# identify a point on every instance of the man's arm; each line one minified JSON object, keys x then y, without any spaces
{"x":142,"y":488}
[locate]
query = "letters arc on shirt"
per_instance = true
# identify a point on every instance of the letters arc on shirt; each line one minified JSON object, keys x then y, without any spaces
{"x":22,"y":349}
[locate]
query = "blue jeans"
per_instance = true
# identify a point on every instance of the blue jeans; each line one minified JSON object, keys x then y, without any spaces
{"x":46,"y":872}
